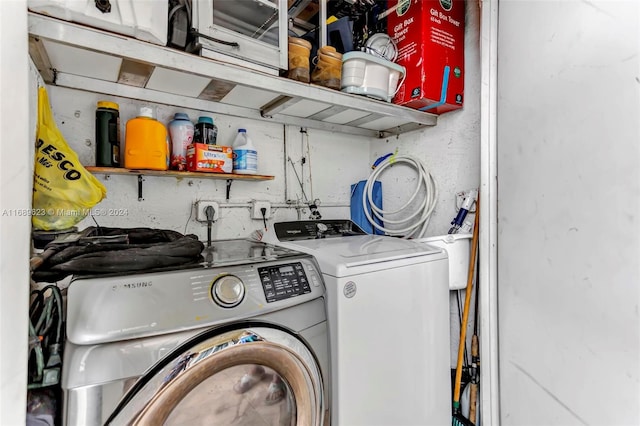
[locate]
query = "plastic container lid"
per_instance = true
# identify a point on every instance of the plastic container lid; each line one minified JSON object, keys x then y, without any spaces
{"x":146,"y":111}
{"x":208,"y":120}
{"x":107,"y":104}
{"x":180,"y":116}
{"x":242,"y":130}
{"x":368,"y":57}
{"x":327,"y":49}
{"x":331,"y":57}
{"x":299,"y":42}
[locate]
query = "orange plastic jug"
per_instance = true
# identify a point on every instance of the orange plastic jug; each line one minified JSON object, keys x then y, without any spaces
{"x":146,"y":142}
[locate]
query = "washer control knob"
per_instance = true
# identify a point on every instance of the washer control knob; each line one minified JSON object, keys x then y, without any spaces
{"x":228,"y":291}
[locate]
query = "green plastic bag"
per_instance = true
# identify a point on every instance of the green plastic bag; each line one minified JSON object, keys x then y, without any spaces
{"x":63,"y":190}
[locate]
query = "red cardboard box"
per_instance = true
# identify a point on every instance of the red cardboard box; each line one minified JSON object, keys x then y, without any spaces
{"x":202,"y":157}
{"x":430,"y":38}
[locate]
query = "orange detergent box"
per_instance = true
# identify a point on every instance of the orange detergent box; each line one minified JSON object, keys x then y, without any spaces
{"x":202,"y":157}
{"x":429,"y":35}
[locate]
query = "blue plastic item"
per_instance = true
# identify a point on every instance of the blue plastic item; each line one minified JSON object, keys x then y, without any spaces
{"x":443,"y":91}
{"x":357,"y":209}
{"x":380,"y":160}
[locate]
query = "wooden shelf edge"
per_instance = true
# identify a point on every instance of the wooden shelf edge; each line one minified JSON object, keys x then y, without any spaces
{"x":175,"y":173}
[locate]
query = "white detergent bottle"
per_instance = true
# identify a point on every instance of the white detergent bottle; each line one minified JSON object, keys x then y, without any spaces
{"x":245,"y":155}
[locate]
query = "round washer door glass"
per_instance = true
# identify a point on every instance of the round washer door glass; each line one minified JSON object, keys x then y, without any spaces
{"x":243,"y":377}
{"x":247,"y":395}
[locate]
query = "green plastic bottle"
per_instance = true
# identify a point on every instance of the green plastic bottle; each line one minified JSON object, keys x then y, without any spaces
{"x":107,"y":134}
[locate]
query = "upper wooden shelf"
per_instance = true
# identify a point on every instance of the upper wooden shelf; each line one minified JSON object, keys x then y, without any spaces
{"x":174,"y":173}
{"x":80,"y":57}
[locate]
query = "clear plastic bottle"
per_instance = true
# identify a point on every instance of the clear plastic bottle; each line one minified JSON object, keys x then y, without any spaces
{"x":245,"y":155}
{"x":181,"y":132}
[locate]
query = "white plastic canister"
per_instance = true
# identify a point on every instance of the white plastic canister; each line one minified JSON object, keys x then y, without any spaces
{"x":458,"y":247}
{"x":245,"y":155}
{"x":366,"y":74}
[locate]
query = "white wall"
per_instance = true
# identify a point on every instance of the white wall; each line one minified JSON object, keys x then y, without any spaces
{"x":15,"y":197}
{"x":336,"y":161}
{"x":568,"y":203}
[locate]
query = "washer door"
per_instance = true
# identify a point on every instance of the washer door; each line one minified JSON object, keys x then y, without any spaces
{"x":249,"y":375}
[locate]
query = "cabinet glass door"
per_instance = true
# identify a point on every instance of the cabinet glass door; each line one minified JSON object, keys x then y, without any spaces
{"x":257,"y":19}
{"x":250,"y":33}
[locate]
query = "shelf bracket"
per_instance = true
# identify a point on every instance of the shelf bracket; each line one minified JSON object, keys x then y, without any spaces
{"x":229,"y":181}
{"x":140,"y":180}
{"x":278,"y":105}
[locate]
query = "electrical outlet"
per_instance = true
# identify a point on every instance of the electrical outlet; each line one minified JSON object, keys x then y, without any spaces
{"x":256,"y":212}
{"x":201,"y":215}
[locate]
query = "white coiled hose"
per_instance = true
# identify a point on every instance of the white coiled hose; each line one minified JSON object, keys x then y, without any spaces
{"x":419,"y":218}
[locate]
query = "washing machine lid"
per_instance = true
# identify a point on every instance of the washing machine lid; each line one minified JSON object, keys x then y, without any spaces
{"x":196,"y":384}
{"x":357,"y":254}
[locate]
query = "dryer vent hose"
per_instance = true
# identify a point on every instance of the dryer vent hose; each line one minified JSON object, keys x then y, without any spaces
{"x":412,"y":219}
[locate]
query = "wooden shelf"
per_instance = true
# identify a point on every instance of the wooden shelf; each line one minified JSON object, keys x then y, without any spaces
{"x":84,"y":58}
{"x":174,"y":173}
{"x":229,"y":177}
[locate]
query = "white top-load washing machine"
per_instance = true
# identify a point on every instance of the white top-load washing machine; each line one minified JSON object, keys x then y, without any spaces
{"x":388,"y":314}
{"x":170,"y":346}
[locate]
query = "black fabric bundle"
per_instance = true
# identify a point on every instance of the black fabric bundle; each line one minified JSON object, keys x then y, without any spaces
{"x":146,"y":249}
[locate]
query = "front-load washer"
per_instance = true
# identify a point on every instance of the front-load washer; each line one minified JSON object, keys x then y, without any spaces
{"x":388,"y":314}
{"x":170,"y":347}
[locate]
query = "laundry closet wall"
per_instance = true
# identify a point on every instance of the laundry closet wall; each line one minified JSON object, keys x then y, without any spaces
{"x":335,"y":160}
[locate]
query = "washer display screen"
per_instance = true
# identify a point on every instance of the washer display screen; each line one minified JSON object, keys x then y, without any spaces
{"x":283,"y":281}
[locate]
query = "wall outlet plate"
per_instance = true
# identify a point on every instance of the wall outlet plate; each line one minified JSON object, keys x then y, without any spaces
{"x":201,"y":215}
{"x":256,"y":211}
{"x":460,"y":196}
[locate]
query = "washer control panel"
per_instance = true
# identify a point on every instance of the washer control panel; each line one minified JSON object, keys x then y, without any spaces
{"x":164,"y":302}
{"x":283,"y":281}
{"x":315,"y":229}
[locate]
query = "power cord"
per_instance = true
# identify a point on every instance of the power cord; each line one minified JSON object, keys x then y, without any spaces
{"x":263,"y":210}
{"x":190,"y":216}
{"x":46,"y":321}
{"x":210,"y":213}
